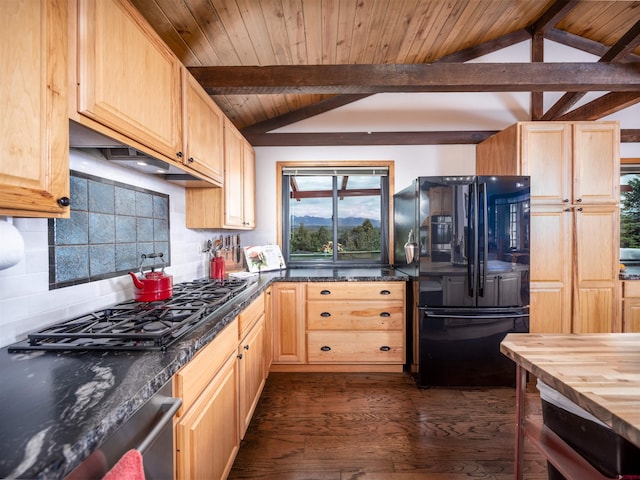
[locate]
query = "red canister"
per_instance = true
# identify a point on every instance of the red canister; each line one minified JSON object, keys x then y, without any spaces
{"x":217,"y":267}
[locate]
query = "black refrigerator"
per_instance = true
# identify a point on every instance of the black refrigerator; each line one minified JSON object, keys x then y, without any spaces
{"x":464,"y":241}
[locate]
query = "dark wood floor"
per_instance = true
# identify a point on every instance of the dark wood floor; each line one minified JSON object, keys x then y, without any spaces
{"x":381,"y":427}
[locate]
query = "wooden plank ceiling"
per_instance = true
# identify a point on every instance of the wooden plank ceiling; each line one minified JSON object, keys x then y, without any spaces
{"x":316,"y":55}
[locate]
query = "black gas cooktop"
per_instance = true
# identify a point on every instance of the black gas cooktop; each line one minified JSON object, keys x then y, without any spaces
{"x":135,"y":325}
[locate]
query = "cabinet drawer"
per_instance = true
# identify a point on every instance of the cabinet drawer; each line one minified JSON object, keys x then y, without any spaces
{"x":355,"y":347}
{"x":355,"y":315}
{"x":192,"y":379}
{"x":355,"y":290}
{"x":631,"y":288}
{"x":250,"y":315}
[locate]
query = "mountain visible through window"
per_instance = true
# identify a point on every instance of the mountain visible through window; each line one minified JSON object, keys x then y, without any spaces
{"x":334,"y":216}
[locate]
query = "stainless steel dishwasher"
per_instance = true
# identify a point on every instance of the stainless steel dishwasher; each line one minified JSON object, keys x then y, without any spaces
{"x":149,"y":430}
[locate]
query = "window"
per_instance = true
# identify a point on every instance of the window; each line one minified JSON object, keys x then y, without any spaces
{"x":335,"y":214}
{"x":630,"y":214}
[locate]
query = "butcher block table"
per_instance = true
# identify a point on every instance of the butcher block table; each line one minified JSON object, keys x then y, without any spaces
{"x":598,"y":372}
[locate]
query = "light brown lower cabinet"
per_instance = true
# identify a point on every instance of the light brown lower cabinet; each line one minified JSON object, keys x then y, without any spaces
{"x":220,"y":388}
{"x":287,"y":313}
{"x":207,"y":428}
{"x":207,"y":437}
{"x":251,"y":353}
{"x":342,"y":326}
{"x":631,"y":306}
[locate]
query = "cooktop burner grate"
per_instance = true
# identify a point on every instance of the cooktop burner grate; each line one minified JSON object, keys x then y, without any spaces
{"x":132,"y":325}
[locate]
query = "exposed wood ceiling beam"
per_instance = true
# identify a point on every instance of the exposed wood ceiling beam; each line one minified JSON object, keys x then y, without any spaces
{"x":302,"y":113}
{"x":549,"y":19}
{"x":341,"y":100}
{"x":435,"y":77}
{"x":552,"y":16}
{"x":537,"y":96}
{"x":602,"y":106}
{"x":584,"y":44}
{"x":631,"y":135}
{"x":627,"y":43}
{"x":388,"y":138}
{"x":485,"y":48}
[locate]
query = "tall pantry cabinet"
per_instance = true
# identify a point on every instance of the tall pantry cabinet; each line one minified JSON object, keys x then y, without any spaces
{"x":575,"y":226}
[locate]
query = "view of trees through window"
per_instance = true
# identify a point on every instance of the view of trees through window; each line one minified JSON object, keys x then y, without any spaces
{"x":630,"y":211}
{"x":335,"y":218}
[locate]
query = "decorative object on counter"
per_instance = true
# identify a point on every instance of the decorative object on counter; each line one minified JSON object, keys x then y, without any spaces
{"x":264,"y":258}
{"x":11,"y":245}
{"x":152,"y":286}
{"x":410,"y":248}
{"x":217,"y":266}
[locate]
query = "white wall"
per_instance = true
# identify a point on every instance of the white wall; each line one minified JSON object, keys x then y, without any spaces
{"x":26,"y":303}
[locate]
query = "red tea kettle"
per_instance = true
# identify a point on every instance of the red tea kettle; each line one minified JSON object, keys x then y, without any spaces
{"x":152,"y":286}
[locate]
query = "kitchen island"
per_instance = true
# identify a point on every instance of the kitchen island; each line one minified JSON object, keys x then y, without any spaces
{"x":598,"y":372}
{"x":61,"y":405}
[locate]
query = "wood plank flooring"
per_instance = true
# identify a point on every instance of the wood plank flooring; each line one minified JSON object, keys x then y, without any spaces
{"x":330,"y":426}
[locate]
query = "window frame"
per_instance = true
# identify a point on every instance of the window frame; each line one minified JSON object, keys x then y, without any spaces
{"x":386,"y":220}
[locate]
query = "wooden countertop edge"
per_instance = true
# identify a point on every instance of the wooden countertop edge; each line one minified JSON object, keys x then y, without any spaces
{"x":619,"y":425}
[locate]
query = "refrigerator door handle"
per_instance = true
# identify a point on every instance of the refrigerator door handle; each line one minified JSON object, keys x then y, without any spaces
{"x":471,"y":210}
{"x":482,"y":262}
{"x":431,"y":314}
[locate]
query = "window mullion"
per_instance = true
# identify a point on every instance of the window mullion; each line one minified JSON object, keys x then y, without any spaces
{"x":335,"y":217}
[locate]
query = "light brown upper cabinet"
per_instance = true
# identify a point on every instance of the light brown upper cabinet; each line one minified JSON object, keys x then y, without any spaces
{"x":232,"y":206}
{"x":34,"y":170}
{"x":574,"y":169}
{"x":204,"y":130}
{"x":129,"y":86}
{"x":128,"y":79}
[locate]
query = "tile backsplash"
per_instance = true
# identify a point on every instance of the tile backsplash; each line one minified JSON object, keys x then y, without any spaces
{"x":26,"y":301}
{"x":112,"y":225}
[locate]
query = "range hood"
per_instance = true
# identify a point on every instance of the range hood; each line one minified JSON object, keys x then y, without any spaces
{"x":83,"y":138}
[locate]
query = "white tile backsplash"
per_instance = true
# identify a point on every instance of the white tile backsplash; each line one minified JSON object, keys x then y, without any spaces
{"x":27,"y":304}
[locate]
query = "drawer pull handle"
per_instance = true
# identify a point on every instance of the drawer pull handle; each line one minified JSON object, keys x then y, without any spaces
{"x":325,"y":348}
{"x":325,"y":292}
{"x":240,"y":356}
{"x":385,"y":314}
{"x":384,"y":348}
{"x":246,"y":347}
{"x":325,"y":314}
{"x":385,"y":292}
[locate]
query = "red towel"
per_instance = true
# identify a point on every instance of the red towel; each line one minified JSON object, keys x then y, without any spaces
{"x":129,"y":467}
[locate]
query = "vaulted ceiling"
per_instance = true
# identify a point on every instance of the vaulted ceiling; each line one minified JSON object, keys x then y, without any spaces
{"x":269,"y":63}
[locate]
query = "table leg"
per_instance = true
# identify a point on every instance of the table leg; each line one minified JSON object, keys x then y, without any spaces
{"x":521,"y":386}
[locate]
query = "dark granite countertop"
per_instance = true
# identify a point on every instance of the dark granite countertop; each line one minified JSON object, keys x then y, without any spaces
{"x":60,"y":406}
{"x":630,"y":273}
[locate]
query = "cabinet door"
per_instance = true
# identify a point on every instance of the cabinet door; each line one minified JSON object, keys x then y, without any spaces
{"x":207,"y":436}
{"x":248,"y":185}
{"x":631,"y":315}
{"x":550,"y":269}
{"x":204,"y":131}
{"x":596,"y":269}
{"x":596,"y":162}
{"x":252,"y":375}
{"x":546,"y":157}
{"x":287,"y":310}
{"x":34,"y":170}
{"x":115,"y":48}
{"x":233,"y":184}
